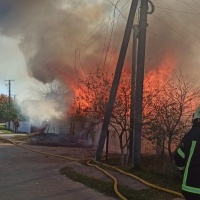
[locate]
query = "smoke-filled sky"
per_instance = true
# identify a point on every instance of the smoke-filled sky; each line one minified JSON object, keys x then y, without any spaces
{"x":42,"y":39}
{"x":174,"y":28}
{"x":49,"y":40}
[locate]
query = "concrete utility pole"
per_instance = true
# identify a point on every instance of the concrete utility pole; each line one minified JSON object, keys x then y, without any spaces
{"x":9,"y":97}
{"x":139,"y":83}
{"x":116,"y":80}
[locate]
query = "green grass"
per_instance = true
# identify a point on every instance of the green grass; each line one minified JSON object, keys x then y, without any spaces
{"x":161,"y":172}
{"x":159,"y":180}
{"x":5,"y":130}
{"x":152,"y":171}
{"x":107,"y":187}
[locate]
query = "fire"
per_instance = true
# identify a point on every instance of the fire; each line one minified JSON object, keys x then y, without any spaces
{"x":161,"y":73}
{"x":78,"y":104}
{"x":92,"y":88}
{"x":161,"y":86}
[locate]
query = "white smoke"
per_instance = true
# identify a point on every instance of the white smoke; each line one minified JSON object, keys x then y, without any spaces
{"x":40,"y":111}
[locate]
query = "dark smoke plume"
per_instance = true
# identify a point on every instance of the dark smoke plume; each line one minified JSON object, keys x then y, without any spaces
{"x":57,"y":36}
{"x":49,"y":32}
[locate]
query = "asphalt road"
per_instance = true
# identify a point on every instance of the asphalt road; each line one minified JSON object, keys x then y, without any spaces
{"x":26,"y":175}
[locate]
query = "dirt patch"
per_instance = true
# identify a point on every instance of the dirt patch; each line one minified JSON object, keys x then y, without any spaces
{"x":57,"y":140}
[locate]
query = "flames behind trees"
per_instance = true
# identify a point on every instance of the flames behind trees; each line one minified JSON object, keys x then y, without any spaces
{"x":169,"y":101}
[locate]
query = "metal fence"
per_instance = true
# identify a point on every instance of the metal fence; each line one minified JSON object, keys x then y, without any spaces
{"x":24,"y":127}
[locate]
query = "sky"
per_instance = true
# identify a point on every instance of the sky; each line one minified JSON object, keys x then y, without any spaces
{"x":40,"y":40}
{"x":48,"y":40}
{"x":13,"y":67}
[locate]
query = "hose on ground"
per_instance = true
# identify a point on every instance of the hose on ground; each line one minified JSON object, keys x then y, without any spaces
{"x":144,"y":182}
{"x":103,"y":170}
{"x":108,"y":174}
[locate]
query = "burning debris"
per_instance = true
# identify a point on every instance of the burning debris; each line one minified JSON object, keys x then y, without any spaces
{"x":61,"y":134}
{"x":57,"y":140}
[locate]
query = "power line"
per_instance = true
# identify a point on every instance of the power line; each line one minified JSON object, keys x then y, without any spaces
{"x":116,"y":79}
{"x":112,"y":34}
{"x":183,"y":26}
{"x":174,"y":19}
{"x":180,"y":11}
{"x":180,"y":1}
{"x":175,"y":31}
{"x":183,"y":16}
{"x":105,"y":28}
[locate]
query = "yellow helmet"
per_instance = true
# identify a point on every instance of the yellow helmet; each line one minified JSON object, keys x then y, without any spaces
{"x":197,"y":114}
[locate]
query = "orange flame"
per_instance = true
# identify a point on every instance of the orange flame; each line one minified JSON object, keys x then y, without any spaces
{"x":163,"y":72}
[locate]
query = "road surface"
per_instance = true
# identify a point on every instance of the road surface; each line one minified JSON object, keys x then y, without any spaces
{"x":26,"y":175}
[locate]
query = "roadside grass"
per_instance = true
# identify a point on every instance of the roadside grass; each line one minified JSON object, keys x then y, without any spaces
{"x":5,"y":130}
{"x":171,"y":183}
{"x":107,"y":188}
{"x":161,"y":172}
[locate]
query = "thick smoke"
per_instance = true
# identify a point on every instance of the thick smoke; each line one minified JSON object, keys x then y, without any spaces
{"x":40,"y":111}
{"x":173,"y":30}
{"x":50,"y":32}
{"x":53,"y":37}
{"x":61,"y":39}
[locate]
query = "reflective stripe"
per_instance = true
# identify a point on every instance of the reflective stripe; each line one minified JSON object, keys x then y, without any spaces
{"x":181,"y":153}
{"x":191,"y":189}
{"x":188,"y":164}
{"x":181,"y":168}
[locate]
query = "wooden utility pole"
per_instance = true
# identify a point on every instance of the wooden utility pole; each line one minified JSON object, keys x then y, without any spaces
{"x":116,"y":80}
{"x":139,"y":83}
{"x":107,"y":145}
{"x":9,"y":97}
{"x":132,"y":100}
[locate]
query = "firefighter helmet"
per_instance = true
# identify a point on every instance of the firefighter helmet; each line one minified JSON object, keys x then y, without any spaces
{"x":197,"y":114}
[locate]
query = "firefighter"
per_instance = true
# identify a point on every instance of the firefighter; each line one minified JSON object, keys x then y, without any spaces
{"x":187,"y":159}
{"x":44,"y":126}
{"x":16,"y":125}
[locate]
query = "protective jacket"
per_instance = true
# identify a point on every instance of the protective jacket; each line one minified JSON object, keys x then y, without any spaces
{"x":187,"y":159}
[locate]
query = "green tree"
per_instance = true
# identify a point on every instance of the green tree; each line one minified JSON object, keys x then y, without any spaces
{"x":8,"y":112}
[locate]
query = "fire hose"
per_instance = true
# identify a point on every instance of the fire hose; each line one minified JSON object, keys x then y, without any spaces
{"x":101,"y":169}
